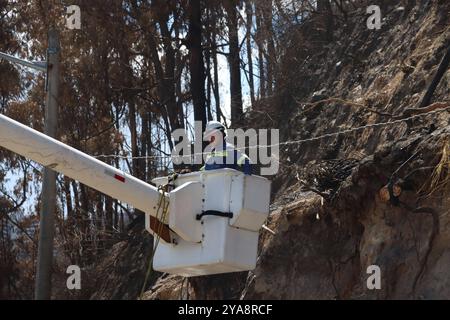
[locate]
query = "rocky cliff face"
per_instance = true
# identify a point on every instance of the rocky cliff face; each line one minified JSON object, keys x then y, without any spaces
{"x":332,"y":214}
{"x":330,"y":245}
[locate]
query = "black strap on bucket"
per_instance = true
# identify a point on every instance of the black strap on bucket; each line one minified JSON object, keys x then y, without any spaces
{"x":214,"y":213}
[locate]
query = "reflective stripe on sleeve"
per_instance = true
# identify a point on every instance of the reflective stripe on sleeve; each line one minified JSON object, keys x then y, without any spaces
{"x":242,"y":159}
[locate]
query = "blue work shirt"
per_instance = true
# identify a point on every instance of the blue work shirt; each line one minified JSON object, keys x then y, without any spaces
{"x":227,"y":157}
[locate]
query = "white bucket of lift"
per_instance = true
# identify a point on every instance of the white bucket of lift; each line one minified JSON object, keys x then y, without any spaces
{"x":213,"y":244}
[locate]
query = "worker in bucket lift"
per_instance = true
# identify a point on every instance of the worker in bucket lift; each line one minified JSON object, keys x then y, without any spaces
{"x":223,"y":154}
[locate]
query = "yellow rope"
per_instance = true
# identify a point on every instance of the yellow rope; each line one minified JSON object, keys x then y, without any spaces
{"x":164,"y":204}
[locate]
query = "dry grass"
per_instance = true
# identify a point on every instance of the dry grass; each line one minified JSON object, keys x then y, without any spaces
{"x":441,"y":173}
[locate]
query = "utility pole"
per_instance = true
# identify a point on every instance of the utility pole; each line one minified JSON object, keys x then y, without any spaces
{"x":48,"y":209}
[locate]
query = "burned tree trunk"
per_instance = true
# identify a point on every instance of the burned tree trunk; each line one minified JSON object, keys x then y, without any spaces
{"x":234,"y":62}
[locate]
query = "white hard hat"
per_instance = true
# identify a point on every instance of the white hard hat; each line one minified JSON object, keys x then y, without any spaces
{"x":212,"y":127}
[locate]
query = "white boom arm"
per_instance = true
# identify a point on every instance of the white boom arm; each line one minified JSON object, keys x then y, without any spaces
{"x":77,"y":165}
{"x":206,"y":231}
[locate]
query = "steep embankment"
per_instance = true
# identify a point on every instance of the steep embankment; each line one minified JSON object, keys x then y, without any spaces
{"x":330,"y":213}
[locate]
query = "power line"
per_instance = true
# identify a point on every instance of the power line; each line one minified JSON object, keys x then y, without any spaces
{"x":291,"y":142}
